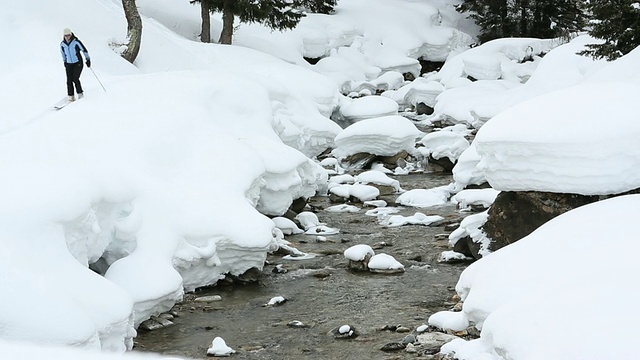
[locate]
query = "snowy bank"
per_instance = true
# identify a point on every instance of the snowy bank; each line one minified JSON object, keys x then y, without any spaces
{"x":529,"y":311}
{"x":153,"y":182}
{"x":548,"y":143}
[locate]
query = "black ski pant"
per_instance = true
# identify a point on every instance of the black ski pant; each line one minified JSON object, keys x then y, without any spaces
{"x":73,"y":77}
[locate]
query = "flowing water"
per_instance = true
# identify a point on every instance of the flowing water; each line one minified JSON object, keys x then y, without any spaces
{"x":323,"y":293}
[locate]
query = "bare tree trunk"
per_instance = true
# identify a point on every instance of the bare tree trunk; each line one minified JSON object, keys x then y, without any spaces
{"x":205,"y":35}
{"x":504,"y":13}
{"x":134,"y":30}
{"x":524,"y":20}
{"x":227,"y":23}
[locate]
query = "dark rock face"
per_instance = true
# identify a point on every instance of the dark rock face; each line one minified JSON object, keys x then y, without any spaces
{"x":424,"y":109}
{"x":442,"y":164}
{"x":427,"y":66}
{"x":312,"y":61}
{"x":297,"y":206}
{"x":469,"y":248}
{"x":515,"y":215}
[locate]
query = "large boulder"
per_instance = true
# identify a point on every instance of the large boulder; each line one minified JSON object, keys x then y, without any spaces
{"x":515,"y":215}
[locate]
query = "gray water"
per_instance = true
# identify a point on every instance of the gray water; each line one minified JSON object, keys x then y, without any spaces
{"x":324,"y":294}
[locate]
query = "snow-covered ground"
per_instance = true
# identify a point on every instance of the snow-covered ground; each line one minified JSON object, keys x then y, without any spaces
{"x":163,"y":182}
{"x":29,"y":350}
{"x":549,"y":295}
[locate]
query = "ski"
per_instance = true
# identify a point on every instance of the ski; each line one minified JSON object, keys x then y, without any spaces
{"x":63,"y":103}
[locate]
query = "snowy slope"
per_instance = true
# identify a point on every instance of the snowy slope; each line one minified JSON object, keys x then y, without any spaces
{"x":155,"y":179}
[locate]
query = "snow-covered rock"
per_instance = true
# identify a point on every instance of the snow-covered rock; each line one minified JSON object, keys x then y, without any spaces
{"x":475,"y":197}
{"x":384,"y":136}
{"x":307,"y":220}
{"x":416,"y":219}
{"x":384,"y":263}
{"x":368,"y":107}
{"x":219,"y":348}
{"x":358,"y":252}
{"x":287,"y":226}
{"x":359,"y":191}
{"x":423,"y":91}
{"x":379,"y":178}
{"x":441,"y":144}
{"x":425,"y":197}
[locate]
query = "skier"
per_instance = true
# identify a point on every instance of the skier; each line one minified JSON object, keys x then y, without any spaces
{"x":70,"y":48}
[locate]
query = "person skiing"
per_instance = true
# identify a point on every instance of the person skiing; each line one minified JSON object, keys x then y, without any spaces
{"x":70,"y":48}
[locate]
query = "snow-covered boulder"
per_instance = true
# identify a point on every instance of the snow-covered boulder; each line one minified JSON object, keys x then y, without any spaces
{"x":386,"y":264}
{"x":425,"y":197}
{"x":358,"y":256}
{"x":423,"y":91}
{"x":383,"y":136}
{"x":219,"y":348}
{"x":360,"y":192}
{"x":378,"y":178}
{"x":475,"y":197}
{"x":287,"y":226}
{"x":439,"y":145}
{"x":482,"y":67}
{"x":368,"y":107}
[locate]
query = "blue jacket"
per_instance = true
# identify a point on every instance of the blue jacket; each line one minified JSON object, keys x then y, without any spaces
{"x":71,"y":51}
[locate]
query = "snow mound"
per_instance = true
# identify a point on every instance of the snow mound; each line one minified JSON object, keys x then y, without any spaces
{"x":523,"y":308}
{"x":384,"y":136}
{"x":528,"y":147}
{"x":384,"y":263}
{"x":358,"y":252}
{"x":368,"y":107}
{"x":441,"y":144}
{"x":425,"y":197}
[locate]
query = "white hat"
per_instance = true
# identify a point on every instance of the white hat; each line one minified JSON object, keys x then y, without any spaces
{"x":66,"y":31}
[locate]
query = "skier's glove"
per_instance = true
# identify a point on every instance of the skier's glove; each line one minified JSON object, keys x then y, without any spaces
{"x":88,"y":63}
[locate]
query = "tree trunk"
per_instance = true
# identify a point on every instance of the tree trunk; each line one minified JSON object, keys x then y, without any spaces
{"x":205,"y":35}
{"x":227,"y":23}
{"x":504,"y":18}
{"x":134,"y":30}
{"x":524,"y":19}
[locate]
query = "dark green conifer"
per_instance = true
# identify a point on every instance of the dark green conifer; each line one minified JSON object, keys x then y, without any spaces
{"x":525,"y":18}
{"x":617,"y":23}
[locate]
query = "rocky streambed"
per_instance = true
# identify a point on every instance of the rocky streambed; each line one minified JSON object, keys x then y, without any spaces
{"x":322,"y":294}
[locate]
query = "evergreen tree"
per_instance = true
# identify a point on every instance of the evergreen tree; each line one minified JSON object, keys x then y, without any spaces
{"x":617,"y":22}
{"x":491,"y":16}
{"x":557,"y":18}
{"x":319,"y":6}
{"x":525,"y":18}
{"x":276,"y":14}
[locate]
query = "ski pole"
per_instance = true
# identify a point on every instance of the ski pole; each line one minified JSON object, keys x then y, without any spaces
{"x":100,"y":82}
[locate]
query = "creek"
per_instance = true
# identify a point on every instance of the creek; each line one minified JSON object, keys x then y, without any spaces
{"x":323,"y":293}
